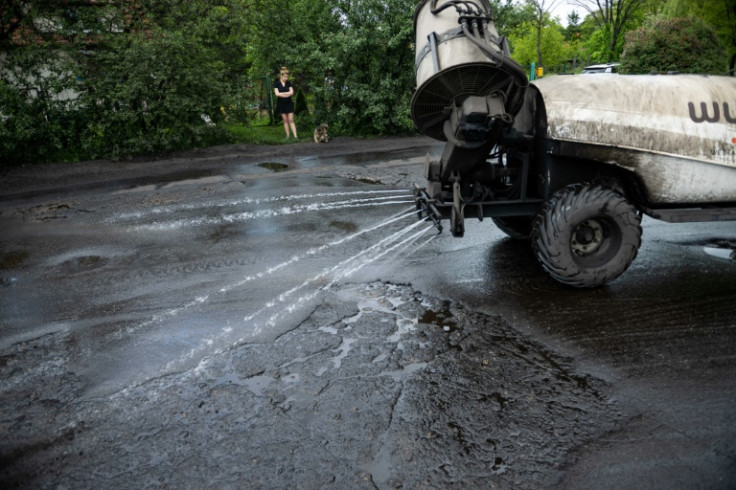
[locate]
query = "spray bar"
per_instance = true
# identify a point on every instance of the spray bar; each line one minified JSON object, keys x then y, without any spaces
{"x":426,"y":205}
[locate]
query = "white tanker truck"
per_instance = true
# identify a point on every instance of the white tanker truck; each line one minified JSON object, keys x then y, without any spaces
{"x":569,"y":162}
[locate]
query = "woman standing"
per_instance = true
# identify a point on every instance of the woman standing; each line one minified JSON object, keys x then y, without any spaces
{"x":284,"y":105}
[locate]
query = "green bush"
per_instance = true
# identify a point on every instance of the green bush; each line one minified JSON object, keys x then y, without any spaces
{"x":300,"y":104}
{"x":304,"y":123}
{"x":39,"y":117}
{"x":152,"y":94}
{"x":131,"y":95}
{"x":685,"y":45}
{"x":163,"y":84}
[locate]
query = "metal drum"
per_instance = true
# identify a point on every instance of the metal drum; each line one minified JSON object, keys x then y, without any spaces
{"x":459,"y":54}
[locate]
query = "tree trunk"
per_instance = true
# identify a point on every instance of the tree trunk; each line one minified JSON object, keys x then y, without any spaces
{"x":539,"y":42}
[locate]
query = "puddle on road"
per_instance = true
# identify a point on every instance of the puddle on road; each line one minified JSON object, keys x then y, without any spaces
{"x":82,"y":260}
{"x":10,"y":261}
{"x":374,"y":156}
{"x":442,"y":318}
{"x":406,"y":156}
{"x":222,"y":232}
{"x":344,"y":226}
{"x":274,"y":166}
{"x":721,"y":253}
{"x":257,"y":384}
{"x":499,"y":467}
{"x":14,"y":259}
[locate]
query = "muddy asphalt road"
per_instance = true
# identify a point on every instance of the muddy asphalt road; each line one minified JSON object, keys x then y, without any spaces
{"x":272,"y":317}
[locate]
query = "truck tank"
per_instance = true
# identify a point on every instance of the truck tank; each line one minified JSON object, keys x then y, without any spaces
{"x":676,"y":133}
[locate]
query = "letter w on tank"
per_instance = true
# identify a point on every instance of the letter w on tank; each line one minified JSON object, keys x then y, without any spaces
{"x":716,"y":117}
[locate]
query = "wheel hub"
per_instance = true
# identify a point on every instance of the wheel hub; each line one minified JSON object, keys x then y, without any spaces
{"x":587,"y":237}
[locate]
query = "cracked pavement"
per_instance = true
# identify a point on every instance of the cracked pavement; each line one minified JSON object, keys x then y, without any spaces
{"x":372,"y":388}
{"x":206,"y":321}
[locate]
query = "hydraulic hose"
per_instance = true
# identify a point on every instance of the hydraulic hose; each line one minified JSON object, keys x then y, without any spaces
{"x":470,"y":7}
{"x":516,"y":71}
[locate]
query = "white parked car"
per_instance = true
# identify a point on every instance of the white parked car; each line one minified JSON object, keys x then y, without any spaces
{"x":603,"y":68}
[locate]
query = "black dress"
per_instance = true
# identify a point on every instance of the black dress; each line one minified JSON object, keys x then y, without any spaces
{"x":283,"y":105}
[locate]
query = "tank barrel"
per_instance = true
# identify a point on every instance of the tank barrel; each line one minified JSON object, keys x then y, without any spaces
{"x":459,"y":54}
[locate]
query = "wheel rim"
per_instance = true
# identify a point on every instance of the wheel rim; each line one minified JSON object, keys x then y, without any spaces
{"x":587,"y":237}
{"x":595,"y":241}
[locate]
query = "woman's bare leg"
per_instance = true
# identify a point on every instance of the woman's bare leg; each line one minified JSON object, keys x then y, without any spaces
{"x":285,"y":118}
{"x":291,"y":123}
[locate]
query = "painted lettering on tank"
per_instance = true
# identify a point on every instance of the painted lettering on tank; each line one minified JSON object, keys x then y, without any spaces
{"x":705,"y":115}
{"x":727,"y":114}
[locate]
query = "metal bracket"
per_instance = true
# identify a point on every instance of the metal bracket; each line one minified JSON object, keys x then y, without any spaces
{"x":457,"y":220}
{"x":433,"y":41}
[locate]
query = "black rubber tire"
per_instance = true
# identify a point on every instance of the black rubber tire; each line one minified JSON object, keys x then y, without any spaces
{"x":516,"y":227}
{"x":586,"y":235}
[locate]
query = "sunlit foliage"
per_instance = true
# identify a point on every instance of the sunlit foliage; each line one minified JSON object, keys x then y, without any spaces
{"x":81,"y":80}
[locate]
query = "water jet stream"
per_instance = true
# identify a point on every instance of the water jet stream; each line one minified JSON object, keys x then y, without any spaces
{"x":330,"y":272}
{"x":355,"y":263}
{"x":269,"y":213}
{"x":203,"y":299}
{"x":173,"y":208}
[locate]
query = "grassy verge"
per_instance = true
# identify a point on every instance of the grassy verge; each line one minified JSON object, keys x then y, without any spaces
{"x":259,"y":132}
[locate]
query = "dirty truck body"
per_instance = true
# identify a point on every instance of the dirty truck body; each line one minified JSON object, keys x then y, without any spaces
{"x":569,"y":162}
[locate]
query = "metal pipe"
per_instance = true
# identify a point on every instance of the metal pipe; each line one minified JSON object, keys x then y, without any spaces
{"x":516,"y":70}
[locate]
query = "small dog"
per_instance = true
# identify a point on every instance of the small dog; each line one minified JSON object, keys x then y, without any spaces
{"x":320,"y":134}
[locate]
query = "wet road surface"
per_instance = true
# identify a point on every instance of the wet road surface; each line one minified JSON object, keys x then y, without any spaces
{"x":277,"y":318}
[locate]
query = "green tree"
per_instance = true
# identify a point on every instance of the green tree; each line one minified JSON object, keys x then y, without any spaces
{"x":572,"y":30}
{"x":374,"y":73}
{"x":114,"y":79}
{"x":219,"y":26}
{"x":355,"y":57}
{"x":514,"y":19}
{"x":152,"y":93}
{"x":686,"y":45}
{"x":541,"y":10}
{"x":555,"y":50}
{"x":39,"y":117}
{"x":612,"y":19}
{"x":719,"y":14}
